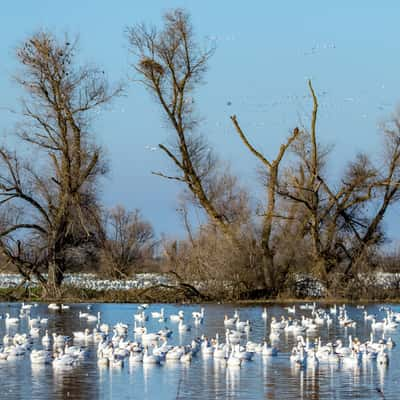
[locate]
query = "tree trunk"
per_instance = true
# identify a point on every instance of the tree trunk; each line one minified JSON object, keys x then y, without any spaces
{"x":268,"y":256}
{"x":54,"y":280}
{"x":268,"y":271}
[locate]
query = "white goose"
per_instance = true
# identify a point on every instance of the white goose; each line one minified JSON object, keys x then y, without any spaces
{"x":198,"y":316}
{"x":85,"y":335}
{"x":121,"y":329}
{"x":3,"y":355}
{"x":76,"y":351}
{"x":264,"y":314}
{"x":34,"y":331}
{"x":319,"y":318}
{"x":268,"y":350}
{"x":40,"y":357}
{"x":26,"y":306}
{"x":60,"y":339}
{"x":291,"y":310}
{"x":83,"y":314}
{"x":175,"y":353}
{"x":233,"y":361}
{"x":150,"y":358}
{"x":150,"y":337}
{"x":383,"y":357}
{"x":46,"y":339}
{"x":229,"y":321}
{"x":7,"y":340}
{"x":312,"y":359}
{"x":105,"y":328}
{"x":377,"y":325}
{"x":389,"y":342}
{"x":242,"y":325}
{"x":187,"y":357}
{"x":389,"y":324}
{"x":254,"y":347}
{"x":207,"y":348}
{"x":141,"y":317}
{"x":64,"y":360}
{"x":102,"y":360}
{"x":177,"y":317}
{"x":342,"y":350}
{"x":344,"y":320}
{"x":183,"y":327}
{"x":94,"y":318}
{"x":353,"y":359}
{"x":158,"y":314}
{"x":220,"y":352}
{"x":368,"y":317}
{"x":116,"y":361}
{"x":277,"y":325}
{"x":298,"y":357}
{"x":162,"y":350}
{"x":232,"y":337}
{"x":166,"y":332}
{"x":14,"y":352}
{"x":294,"y":327}
{"x":11,"y":321}
{"x":242,"y":353}
{"x":136,"y":357}
{"x":98,"y":335}
{"x":139,"y":330}
{"x":33,"y":321}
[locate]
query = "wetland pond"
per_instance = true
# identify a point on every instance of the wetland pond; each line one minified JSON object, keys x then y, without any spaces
{"x":204,"y":377}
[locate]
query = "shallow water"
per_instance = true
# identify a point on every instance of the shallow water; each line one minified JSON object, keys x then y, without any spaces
{"x":269,"y":378}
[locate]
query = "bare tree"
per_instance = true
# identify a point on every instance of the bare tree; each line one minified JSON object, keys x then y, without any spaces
{"x":271,"y":274}
{"x":171,"y":64}
{"x":384,"y":191}
{"x":343,"y":223}
{"x":304,"y":186}
{"x":129,"y":241}
{"x":56,"y":192}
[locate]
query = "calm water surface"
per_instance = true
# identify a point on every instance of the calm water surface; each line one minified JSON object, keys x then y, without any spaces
{"x":270,"y":378}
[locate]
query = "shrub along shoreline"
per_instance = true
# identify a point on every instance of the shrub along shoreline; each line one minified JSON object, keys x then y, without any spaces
{"x":134,"y":296}
{"x":162,"y":288}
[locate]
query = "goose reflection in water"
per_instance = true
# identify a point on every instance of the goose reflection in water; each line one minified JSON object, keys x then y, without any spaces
{"x":232,"y":379}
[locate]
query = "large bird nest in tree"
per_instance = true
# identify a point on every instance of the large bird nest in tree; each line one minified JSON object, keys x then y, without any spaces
{"x":148,"y":64}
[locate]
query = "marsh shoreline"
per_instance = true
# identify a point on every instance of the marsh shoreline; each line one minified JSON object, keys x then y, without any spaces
{"x":134,"y":296}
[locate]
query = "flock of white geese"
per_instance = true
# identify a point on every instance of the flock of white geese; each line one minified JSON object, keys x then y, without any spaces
{"x":114,"y":348}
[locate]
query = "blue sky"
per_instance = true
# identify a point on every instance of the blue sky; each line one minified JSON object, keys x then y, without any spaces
{"x":266,"y":50}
